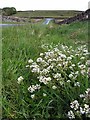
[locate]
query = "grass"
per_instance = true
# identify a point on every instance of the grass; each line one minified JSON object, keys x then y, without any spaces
{"x":47,"y":13}
{"x":20,"y":43}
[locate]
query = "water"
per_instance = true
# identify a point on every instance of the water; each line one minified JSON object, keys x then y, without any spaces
{"x":7,"y":25}
{"x":47,"y":20}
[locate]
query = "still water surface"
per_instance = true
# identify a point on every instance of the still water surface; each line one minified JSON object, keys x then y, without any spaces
{"x":7,"y":25}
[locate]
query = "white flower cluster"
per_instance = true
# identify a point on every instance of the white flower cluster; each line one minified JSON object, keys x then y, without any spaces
{"x":20,"y":79}
{"x":86,"y":95}
{"x":87,"y":91}
{"x":80,"y":108}
{"x":59,"y":69}
{"x":57,"y":76}
{"x":32,"y":88}
{"x":71,"y":114}
{"x":77,"y":84}
{"x":73,"y":75}
{"x":86,"y":98}
{"x":59,"y":65}
{"x":54,"y":87}
{"x":35,"y":68}
{"x":85,"y":109}
{"x":44,"y":79}
{"x":53,"y":64}
{"x":74,"y":105}
{"x":32,"y":96}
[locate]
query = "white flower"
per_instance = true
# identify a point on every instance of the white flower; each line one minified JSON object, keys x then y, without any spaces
{"x":77,"y":72}
{"x":36,"y":70}
{"x":63,"y":55}
{"x":30,"y":61}
{"x":54,"y":87}
{"x":74,"y":105}
{"x":48,"y":78}
{"x":70,"y":75}
{"x":20,"y":79}
{"x":44,"y":71}
{"x":78,"y":63}
{"x":86,"y":108}
{"x":41,"y":54}
{"x":44,"y":80}
{"x":85,"y":50}
{"x":65,"y":63}
{"x":82,"y":58}
{"x":56,"y":49}
{"x":73,"y":65}
{"x":32,"y":96}
{"x":77,"y":84}
{"x":82,"y":96}
{"x":27,"y":66}
{"x":38,"y":86}
{"x":59,"y":58}
{"x":68,"y":81}
{"x":59,"y":65}
{"x":34,"y":65}
{"x":82,"y":110}
{"x":76,"y":54}
{"x":83,"y":72}
{"x":69,"y":58}
{"x":49,"y":60}
{"x":61,"y":82}
{"x":81,"y":67}
{"x":32,"y":88}
{"x":44,"y":94}
{"x":87,"y":91}
{"x":68,"y":51}
{"x":39,"y":59}
{"x":57,"y":75}
{"x":71,"y":114}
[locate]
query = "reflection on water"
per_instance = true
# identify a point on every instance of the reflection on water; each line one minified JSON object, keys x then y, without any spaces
{"x":6,"y":25}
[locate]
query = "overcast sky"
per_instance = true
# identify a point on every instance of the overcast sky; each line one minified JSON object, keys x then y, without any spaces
{"x":46,"y":4}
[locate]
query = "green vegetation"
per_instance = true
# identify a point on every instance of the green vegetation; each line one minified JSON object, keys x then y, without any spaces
{"x":43,"y":13}
{"x":8,"y":11}
{"x":21,"y":43}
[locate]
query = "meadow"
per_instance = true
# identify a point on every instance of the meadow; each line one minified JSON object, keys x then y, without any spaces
{"x":45,"y":71}
{"x":47,"y":13}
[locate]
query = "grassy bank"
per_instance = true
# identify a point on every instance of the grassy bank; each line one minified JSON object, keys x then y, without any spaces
{"x":21,"y":43}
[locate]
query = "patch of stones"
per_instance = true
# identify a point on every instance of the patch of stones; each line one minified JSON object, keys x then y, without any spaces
{"x":13,"y":19}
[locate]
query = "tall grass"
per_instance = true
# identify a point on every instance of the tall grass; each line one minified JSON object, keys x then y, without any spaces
{"x":19,"y":44}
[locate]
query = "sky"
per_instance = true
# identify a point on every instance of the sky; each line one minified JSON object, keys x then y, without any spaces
{"x":45,"y":4}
